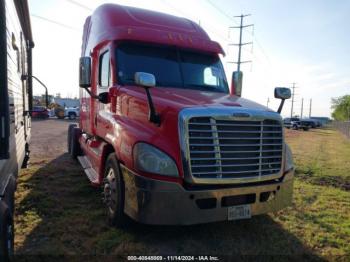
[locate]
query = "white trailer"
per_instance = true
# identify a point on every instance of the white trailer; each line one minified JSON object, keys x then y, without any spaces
{"x":16,"y":44}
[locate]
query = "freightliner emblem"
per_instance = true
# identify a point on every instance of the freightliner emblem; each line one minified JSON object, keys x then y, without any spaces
{"x":241,"y":115}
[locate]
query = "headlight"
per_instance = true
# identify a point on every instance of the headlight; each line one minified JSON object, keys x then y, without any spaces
{"x":151,"y":160}
{"x":288,"y":160}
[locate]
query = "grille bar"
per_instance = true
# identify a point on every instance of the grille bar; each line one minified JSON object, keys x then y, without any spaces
{"x":228,"y":148}
{"x":225,"y":165}
{"x":231,"y":124}
{"x":239,"y":145}
{"x":237,"y":138}
{"x":223,"y":131}
{"x":236,"y":172}
{"x":252,"y":151}
{"x":235,"y":158}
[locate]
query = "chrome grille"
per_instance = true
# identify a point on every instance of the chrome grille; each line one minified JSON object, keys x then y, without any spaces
{"x":234,"y":149}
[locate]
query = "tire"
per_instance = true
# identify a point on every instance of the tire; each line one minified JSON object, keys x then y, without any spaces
{"x":114,"y":193}
{"x":72,"y":116}
{"x":75,"y":149}
{"x":305,"y":128}
{"x":6,"y":233}
{"x":69,"y":136}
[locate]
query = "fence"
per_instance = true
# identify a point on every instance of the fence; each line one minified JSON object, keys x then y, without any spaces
{"x":343,"y":127}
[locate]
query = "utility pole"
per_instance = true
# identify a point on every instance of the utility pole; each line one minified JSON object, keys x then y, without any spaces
{"x":268,"y":101}
{"x":291,"y":110}
{"x":302,"y":107}
{"x":310,"y":108}
{"x":239,"y":62}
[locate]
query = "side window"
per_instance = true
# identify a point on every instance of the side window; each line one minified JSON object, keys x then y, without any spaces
{"x":104,"y":73}
{"x":211,"y":76}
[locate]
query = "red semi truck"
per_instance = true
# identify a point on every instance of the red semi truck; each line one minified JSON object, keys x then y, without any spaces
{"x":162,"y":132}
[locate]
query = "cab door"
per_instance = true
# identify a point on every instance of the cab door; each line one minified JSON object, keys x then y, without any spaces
{"x":102,"y":124}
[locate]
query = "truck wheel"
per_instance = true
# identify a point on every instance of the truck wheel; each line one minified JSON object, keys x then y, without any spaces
{"x":114,"y":193}
{"x":6,"y":233}
{"x":72,"y":116}
{"x":75,"y":149}
{"x":69,"y":136}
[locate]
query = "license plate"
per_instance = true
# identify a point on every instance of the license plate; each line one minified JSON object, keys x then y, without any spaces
{"x":239,"y":212}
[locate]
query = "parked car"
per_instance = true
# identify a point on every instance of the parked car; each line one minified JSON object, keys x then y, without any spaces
{"x":40,"y":112}
{"x":72,"y":112}
{"x":296,"y":124}
{"x":313,"y":122}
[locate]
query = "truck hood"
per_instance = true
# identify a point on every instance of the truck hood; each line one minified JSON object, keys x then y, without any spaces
{"x":173,"y":100}
{"x":132,"y":114}
{"x":182,"y":98}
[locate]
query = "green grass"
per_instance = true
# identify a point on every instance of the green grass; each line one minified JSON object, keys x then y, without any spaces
{"x":58,"y":212}
{"x":322,"y":157}
{"x":320,"y":215}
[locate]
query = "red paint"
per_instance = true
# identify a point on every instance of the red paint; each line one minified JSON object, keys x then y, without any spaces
{"x":124,"y":121}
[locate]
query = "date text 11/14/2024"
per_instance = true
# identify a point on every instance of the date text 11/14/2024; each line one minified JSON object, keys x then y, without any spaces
{"x":173,"y":258}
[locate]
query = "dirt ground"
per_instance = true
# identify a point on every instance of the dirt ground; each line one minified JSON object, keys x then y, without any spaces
{"x":58,"y":212}
{"x":48,"y":139}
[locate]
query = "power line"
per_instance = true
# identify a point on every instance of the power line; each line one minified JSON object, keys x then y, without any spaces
{"x":55,"y":22}
{"x":80,"y":5}
{"x":221,"y":11}
{"x":232,"y":19}
{"x":241,"y":26}
{"x":293,"y":94}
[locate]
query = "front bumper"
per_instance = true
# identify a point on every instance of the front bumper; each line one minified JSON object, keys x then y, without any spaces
{"x":157,"y":202}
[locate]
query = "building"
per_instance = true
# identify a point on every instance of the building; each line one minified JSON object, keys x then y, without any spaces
{"x":67,"y":102}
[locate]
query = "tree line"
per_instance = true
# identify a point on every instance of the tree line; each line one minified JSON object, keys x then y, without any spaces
{"x":341,"y":108}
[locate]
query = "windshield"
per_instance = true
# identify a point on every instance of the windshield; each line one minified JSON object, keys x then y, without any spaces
{"x":171,"y":67}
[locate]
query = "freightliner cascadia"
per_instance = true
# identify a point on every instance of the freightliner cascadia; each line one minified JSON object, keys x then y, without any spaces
{"x":16,"y":45}
{"x":161,"y":131}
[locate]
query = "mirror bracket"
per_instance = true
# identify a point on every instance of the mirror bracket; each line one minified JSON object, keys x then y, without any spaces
{"x":90,"y":93}
{"x":281,"y":106}
{"x":153,"y":116}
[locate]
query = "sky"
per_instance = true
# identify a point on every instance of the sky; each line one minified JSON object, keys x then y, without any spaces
{"x":294,"y":41}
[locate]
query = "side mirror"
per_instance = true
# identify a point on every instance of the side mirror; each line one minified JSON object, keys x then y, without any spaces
{"x":282,"y":93}
{"x":85,"y":72}
{"x":103,"y":97}
{"x":236,"y":84}
{"x":145,"y":79}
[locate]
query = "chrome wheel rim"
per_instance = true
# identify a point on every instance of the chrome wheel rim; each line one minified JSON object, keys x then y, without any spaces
{"x":110,"y":191}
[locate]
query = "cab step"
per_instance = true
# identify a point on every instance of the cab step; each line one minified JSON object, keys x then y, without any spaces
{"x":89,"y":170}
